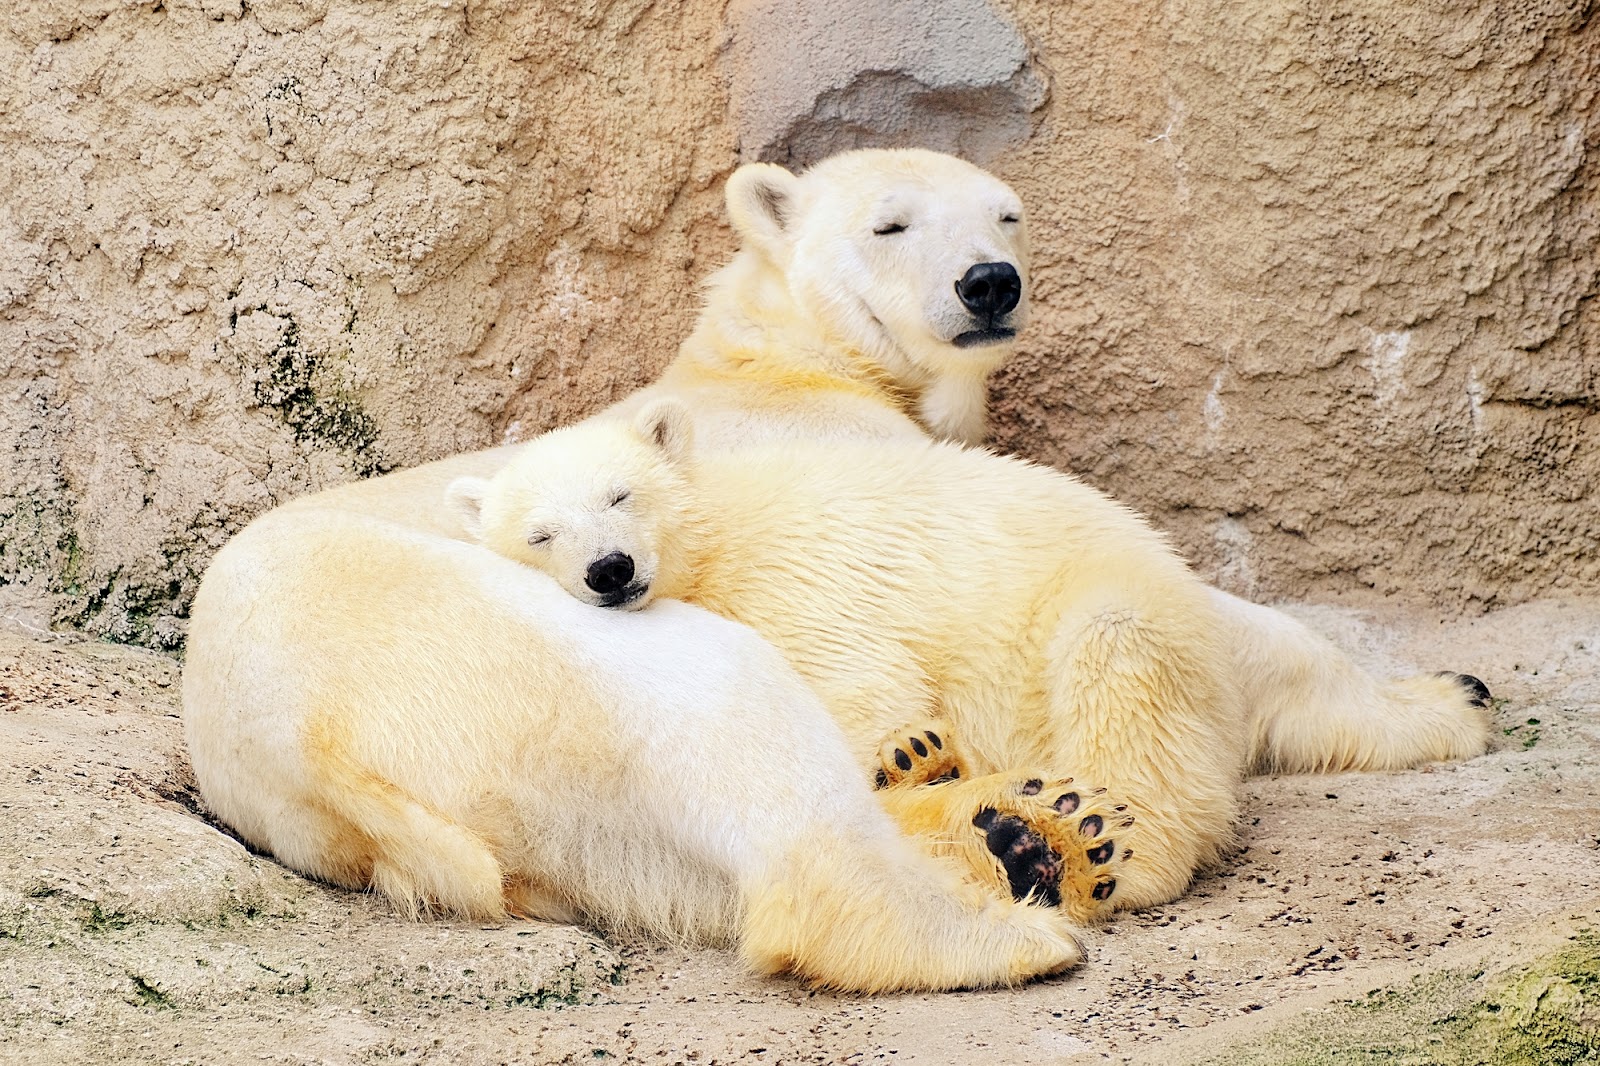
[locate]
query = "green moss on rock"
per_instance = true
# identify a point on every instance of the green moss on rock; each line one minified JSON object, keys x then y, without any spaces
{"x":1543,"y":1013}
{"x":301,"y":386}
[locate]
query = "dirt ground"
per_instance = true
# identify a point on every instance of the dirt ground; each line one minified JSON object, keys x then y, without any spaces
{"x":1439,"y":915}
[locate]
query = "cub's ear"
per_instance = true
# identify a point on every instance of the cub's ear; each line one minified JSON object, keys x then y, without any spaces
{"x":666,"y":424}
{"x":465,"y":496}
{"x":761,"y":205}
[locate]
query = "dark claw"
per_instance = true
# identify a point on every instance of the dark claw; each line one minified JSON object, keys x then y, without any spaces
{"x":901,"y":759}
{"x":955,"y":772}
{"x":1127,"y":853}
{"x":919,"y":747}
{"x":1066,"y":803}
{"x":985,"y":818}
{"x":933,"y":738}
{"x":1092,"y":826}
{"x":1032,"y":787}
{"x":882,"y":779}
{"x":1102,"y":892}
{"x":1103,"y":853}
{"x":1477,"y":691}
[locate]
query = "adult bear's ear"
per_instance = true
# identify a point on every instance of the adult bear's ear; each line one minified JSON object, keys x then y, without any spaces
{"x":666,"y":424}
{"x":465,"y":496}
{"x":761,"y":205}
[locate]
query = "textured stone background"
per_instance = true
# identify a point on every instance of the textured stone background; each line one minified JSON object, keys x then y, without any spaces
{"x":1313,"y":280}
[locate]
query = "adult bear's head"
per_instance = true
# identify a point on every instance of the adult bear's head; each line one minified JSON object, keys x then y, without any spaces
{"x":918,"y":259}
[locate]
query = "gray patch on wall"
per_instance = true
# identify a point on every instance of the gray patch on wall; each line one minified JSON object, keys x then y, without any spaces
{"x":808,"y":79}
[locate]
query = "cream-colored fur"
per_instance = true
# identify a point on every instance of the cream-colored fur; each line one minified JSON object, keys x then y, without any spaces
{"x":820,"y":328}
{"x":823,"y":327}
{"x":371,"y":697}
{"x":382,"y":705}
{"x":1050,"y":627}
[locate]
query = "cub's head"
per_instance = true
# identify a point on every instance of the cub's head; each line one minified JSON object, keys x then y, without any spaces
{"x":603,"y":507}
{"x":919,"y":258}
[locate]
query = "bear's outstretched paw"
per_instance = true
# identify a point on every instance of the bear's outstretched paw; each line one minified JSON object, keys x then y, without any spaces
{"x":1477,"y":692}
{"x":1056,"y":844}
{"x":921,"y":753}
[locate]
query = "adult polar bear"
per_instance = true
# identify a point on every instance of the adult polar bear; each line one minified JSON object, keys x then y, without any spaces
{"x":587,"y":739}
{"x":871,"y":297}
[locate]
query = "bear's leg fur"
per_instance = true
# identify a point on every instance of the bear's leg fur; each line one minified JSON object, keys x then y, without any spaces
{"x":1313,"y":709}
{"x":385,"y":840}
{"x":868,"y":910}
{"x":1138,"y":696}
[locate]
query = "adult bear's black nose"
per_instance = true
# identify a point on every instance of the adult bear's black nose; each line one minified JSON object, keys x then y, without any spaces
{"x":610,"y":575}
{"x":990,"y":289}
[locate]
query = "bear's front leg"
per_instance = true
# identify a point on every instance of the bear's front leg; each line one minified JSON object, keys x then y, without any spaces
{"x":1024,"y":835}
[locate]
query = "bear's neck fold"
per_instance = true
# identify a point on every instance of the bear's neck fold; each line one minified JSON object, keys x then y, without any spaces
{"x":755,"y":330}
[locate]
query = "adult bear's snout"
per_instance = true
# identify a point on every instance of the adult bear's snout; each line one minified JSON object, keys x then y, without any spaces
{"x":610,"y":575}
{"x":990,"y":289}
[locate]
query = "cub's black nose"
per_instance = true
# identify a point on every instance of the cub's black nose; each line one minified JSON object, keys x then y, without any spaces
{"x":610,"y":575}
{"x":990,"y":289}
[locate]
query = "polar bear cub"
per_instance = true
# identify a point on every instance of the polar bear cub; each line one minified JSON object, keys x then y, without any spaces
{"x":1056,"y":634}
{"x":521,"y":752}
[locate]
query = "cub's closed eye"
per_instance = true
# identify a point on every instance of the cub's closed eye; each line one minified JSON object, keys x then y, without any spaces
{"x":620,"y":497}
{"x":1009,"y":218}
{"x":888,"y":228}
{"x":536,"y":540}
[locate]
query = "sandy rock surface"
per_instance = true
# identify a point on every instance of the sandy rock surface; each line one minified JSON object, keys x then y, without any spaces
{"x":132,"y":930}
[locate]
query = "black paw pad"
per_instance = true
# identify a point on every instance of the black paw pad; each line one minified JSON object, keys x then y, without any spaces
{"x":1092,"y":826}
{"x":901,"y":759}
{"x":1030,"y":865}
{"x":1032,"y":787}
{"x":1102,"y":891}
{"x":1477,"y":691}
{"x":1103,"y":853}
{"x":952,"y":774}
{"x":933,"y":738}
{"x":1066,"y":803}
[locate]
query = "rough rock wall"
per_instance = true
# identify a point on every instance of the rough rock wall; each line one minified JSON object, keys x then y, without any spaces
{"x":1313,"y":280}
{"x":253,"y":248}
{"x":1317,"y":285}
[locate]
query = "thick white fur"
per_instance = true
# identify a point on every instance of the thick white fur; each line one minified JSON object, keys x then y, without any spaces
{"x":820,"y":327}
{"x":380,"y":704}
{"x":343,"y":643}
{"x":812,"y":331}
{"x":1049,"y":626}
